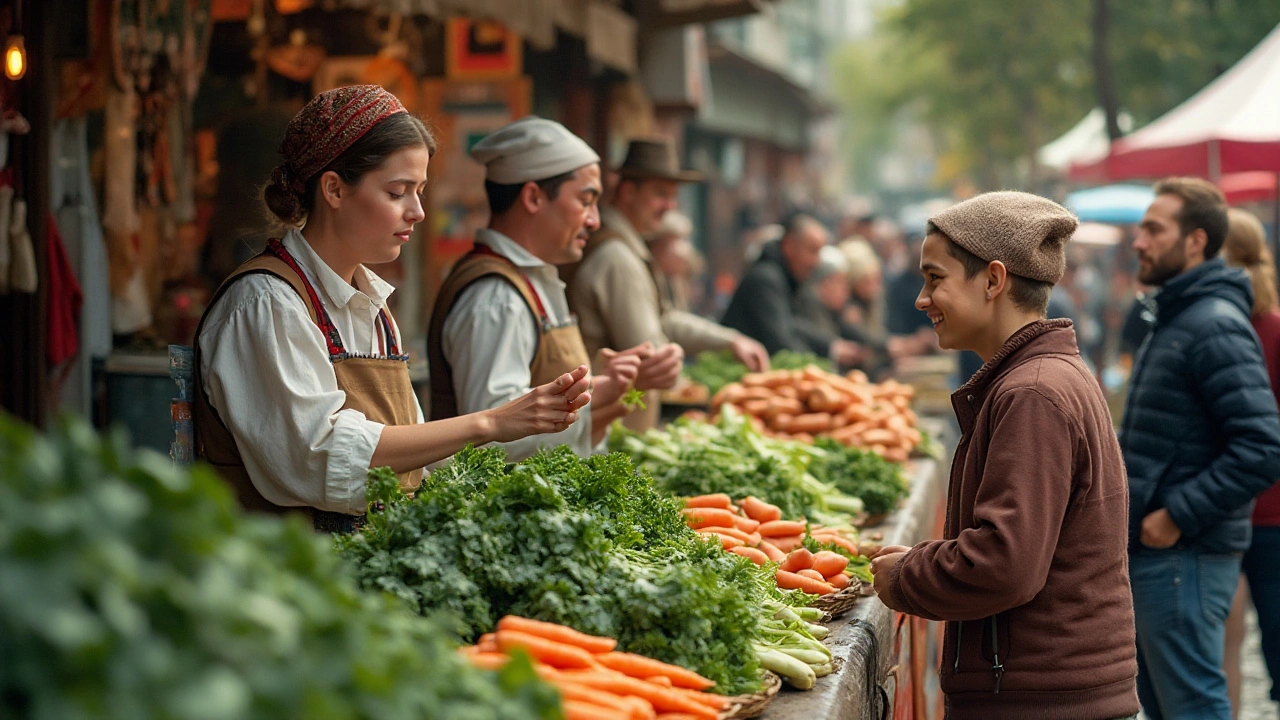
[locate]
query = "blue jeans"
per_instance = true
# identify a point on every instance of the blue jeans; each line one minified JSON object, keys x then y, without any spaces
{"x":1262,"y":569}
{"x":1181,"y":598}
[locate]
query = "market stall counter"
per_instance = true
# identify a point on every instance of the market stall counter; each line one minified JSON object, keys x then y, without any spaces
{"x":884,"y":661}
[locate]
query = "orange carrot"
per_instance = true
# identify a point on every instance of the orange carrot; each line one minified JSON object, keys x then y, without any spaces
{"x":746,"y":524}
{"x":718,"y":702}
{"x":838,"y":540}
{"x":781,"y":528}
{"x":558,"y":633}
{"x":839,"y":581}
{"x":760,"y":510}
{"x":756,"y":556}
{"x":792,"y":581}
{"x":555,"y":654}
{"x":812,"y":574}
{"x":829,"y":563}
{"x":640,"y":666}
{"x":488,"y":661}
{"x":714,"y":500}
{"x":726,"y":541}
{"x":772,"y":551}
{"x":662,"y":699}
{"x":787,"y":543}
{"x":570,"y":690}
{"x":798,"y":559}
{"x":678,"y":716}
{"x":732,"y":532}
{"x":578,"y":710}
{"x":699,"y":518}
{"x":641,"y":709}
{"x":662,"y":680}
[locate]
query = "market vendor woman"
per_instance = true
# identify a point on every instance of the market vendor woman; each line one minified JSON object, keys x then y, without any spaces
{"x":303,"y":383}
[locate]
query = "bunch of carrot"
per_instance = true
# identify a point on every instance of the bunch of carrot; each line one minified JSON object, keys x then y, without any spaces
{"x":754,"y":529}
{"x":803,"y":404}
{"x":595,"y":681}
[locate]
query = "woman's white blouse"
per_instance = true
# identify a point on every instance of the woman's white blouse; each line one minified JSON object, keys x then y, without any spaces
{"x":266,"y":369}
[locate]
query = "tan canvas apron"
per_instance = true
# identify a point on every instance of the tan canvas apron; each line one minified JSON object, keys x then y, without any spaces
{"x":379,"y":387}
{"x":560,"y":347}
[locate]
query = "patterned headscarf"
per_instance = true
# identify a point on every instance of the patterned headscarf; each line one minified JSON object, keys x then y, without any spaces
{"x":326,"y":127}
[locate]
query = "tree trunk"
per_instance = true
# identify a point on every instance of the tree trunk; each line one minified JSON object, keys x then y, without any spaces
{"x":1102,"y":67}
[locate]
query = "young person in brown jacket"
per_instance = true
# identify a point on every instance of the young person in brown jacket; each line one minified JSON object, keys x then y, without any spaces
{"x":1031,"y":577}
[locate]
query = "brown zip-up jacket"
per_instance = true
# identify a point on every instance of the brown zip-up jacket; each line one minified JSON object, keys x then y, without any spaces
{"x":1032,"y":577}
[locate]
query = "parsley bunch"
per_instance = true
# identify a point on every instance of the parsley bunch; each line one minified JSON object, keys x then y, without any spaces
{"x":860,"y":473}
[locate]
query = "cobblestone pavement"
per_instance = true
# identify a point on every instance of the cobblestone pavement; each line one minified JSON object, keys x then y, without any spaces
{"x":1254,"y":703}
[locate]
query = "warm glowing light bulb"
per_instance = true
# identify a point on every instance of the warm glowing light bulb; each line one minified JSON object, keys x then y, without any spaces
{"x":15,"y":58}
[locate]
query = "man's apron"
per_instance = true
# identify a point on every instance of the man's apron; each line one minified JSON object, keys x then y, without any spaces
{"x":560,"y":347}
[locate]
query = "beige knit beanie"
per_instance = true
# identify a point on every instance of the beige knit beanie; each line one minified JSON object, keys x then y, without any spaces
{"x":1026,"y":232}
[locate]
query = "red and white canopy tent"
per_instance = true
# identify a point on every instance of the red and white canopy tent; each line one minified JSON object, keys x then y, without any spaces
{"x":1229,"y":132}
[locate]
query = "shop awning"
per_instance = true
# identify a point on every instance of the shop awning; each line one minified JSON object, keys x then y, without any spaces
{"x":658,"y":14}
{"x":751,"y":99}
{"x":609,"y":32}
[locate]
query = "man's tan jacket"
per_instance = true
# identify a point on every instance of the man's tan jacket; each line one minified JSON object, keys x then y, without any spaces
{"x":614,"y":292}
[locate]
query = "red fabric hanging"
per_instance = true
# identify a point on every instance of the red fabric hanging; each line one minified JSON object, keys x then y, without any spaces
{"x":65,"y":301}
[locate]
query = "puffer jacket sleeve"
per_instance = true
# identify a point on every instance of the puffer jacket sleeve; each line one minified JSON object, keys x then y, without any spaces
{"x":1227,"y":367}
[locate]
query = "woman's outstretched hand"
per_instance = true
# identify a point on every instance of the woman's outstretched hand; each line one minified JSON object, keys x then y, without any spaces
{"x":550,"y":408}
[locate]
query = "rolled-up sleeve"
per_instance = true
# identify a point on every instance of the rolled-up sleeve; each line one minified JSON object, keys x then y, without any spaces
{"x":267,"y":372}
{"x":489,"y":342}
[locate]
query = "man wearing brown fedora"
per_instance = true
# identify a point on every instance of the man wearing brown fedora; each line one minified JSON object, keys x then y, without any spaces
{"x":616,"y":290}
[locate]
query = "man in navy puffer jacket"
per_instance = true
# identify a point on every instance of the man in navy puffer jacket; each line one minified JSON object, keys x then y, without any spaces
{"x":1201,"y":439}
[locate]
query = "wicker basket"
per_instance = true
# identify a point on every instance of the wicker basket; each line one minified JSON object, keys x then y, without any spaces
{"x":749,"y":706}
{"x":839,"y":603}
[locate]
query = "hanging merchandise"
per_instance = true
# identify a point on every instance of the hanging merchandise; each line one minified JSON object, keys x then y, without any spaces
{"x":24,"y":277}
{"x":11,"y":124}
{"x":297,"y":60}
{"x":65,"y":302}
{"x":6,"y":258}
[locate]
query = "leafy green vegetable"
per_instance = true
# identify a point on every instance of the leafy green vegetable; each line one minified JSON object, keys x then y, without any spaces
{"x":131,"y":589}
{"x":634,"y":399}
{"x":717,"y":369}
{"x":861,"y":473}
{"x":691,"y":457}
{"x":587,"y":543}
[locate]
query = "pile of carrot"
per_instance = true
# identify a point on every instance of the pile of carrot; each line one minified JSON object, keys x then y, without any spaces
{"x":596,"y":682}
{"x":803,"y":404}
{"x":755,"y":530}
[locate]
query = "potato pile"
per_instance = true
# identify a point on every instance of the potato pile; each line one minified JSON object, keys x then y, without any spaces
{"x":804,"y":404}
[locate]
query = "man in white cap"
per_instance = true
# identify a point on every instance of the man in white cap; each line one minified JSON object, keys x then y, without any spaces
{"x":616,"y":288}
{"x":501,"y":322}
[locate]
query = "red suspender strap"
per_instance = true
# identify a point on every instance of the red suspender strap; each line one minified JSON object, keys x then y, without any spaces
{"x":327,"y":328}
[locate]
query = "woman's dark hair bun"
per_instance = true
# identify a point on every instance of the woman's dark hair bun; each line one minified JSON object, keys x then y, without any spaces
{"x":281,"y":199}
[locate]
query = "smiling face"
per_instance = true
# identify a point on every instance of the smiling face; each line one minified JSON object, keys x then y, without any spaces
{"x":561,"y":225}
{"x":377,"y":214}
{"x":957,"y":306}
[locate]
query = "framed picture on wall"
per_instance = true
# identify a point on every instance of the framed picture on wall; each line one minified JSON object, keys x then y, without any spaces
{"x":481,"y":50}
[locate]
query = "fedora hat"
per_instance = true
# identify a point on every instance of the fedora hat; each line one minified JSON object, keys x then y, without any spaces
{"x":654,"y":159}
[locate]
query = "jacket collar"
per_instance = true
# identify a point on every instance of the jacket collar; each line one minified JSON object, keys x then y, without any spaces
{"x":1210,"y":278}
{"x":1042,"y":337}
{"x":772,"y":253}
{"x":614,"y":220}
{"x":337,"y":291}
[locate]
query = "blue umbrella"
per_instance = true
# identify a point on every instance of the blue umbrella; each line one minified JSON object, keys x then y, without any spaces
{"x":1118,"y":204}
